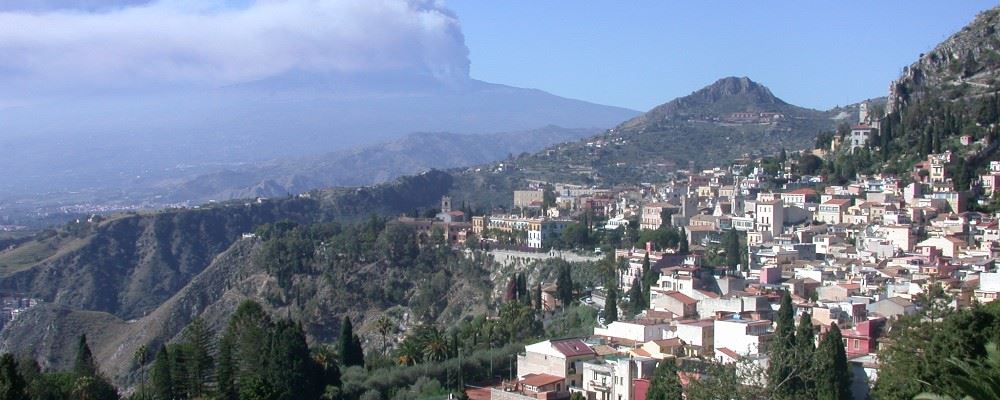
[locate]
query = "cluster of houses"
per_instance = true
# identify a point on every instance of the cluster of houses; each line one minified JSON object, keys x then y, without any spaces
{"x":13,"y":305}
{"x":858,"y":255}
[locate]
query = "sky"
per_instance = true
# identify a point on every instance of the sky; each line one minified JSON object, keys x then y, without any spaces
{"x":642,"y":53}
{"x":634,"y":54}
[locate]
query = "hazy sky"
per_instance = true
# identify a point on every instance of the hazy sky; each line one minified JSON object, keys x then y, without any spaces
{"x":641,"y":53}
{"x":634,"y":54}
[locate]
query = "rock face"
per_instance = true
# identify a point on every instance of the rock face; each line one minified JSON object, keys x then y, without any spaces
{"x":966,"y":64}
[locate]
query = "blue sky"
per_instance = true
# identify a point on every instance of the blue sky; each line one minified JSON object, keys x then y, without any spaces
{"x":638,"y":54}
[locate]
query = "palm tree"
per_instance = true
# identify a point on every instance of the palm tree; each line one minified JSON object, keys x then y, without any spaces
{"x":435,"y":346}
{"x":409,"y":353}
{"x":385,"y":327}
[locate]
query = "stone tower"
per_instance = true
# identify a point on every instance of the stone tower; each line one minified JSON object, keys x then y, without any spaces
{"x":445,"y":204}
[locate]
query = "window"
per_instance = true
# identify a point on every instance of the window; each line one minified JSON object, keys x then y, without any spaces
{"x":857,"y":344}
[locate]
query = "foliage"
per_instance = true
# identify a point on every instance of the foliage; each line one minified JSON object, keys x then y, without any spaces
{"x":665,"y":384}
{"x":919,"y":347}
{"x":12,"y":385}
{"x":833,"y":378}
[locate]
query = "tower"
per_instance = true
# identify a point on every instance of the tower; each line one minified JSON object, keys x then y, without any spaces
{"x":446,"y":204}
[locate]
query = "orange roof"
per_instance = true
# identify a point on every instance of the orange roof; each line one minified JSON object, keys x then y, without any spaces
{"x":539,"y":380}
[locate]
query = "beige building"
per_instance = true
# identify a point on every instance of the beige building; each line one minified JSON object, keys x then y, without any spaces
{"x":562,"y":358}
{"x":832,"y":211}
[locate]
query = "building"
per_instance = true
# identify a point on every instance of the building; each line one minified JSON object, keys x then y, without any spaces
{"x":560,"y":358}
{"x":745,"y":337}
{"x":770,"y":216}
{"x":832,"y":211}
{"x":652,"y":215}
{"x":860,"y":136}
{"x":528,"y":198}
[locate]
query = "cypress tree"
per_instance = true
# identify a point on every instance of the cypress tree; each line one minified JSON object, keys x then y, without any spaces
{"x":782,"y":348}
{"x":349,"y":345}
{"x":683,"y":248}
{"x":805,"y":347}
{"x":611,"y":304}
{"x":84,"y":364}
{"x":538,"y":296}
{"x":12,"y":384}
{"x":833,"y":374}
{"x":732,"y":249}
{"x":564,"y":285}
{"x":665,"y":384}
{"x":161,"y":377}
{"x":637,"y":299}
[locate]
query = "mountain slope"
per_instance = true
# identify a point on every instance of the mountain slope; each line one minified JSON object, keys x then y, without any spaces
{"x":967,"y":64}
{"x":723,"y":121}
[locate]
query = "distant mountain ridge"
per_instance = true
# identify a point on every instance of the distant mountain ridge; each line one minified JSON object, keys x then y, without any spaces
{"x":369,"y":165}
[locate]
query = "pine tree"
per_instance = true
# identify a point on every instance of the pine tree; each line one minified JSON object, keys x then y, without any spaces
{"x":161,"y":377}
{"x":84,"y":364}
{"x":832,"y":372}
{"x":611,"y":304}
{"x":292,"y":373}
{"x":665,"y":384}
{"x":200,"y":366}
{"x":12,"y":384}
{"x":781,"y":365}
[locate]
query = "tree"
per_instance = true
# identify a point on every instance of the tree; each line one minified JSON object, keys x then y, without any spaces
{"x":805,"y":347}
{"x":94,"y":388}
{"x":611,"y":303}
{"x":84,"y":364}
{"x":292,"y":372}
{"x":833,"y":375}
{"x":12,"y":384}
{"x":351,"y":352}
{"x":161,"y":377}
{"x":978,"y":379}
{"x":200,"y":366}
{"x":781,"y":369}
{"x":683,"y":248}
{"x":564,"y":285}
{"x":637,"y":298}
{"x":538,"y":296}
{"x":242,"y":350}
{"x":733,"y":249}
{"x":665,"y":384}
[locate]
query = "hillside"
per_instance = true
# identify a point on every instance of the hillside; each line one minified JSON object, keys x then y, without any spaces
{"x":965,"y":65}
{"x":130,"y":264}
{"x":947,"y":93}
{"x":721,"y":122}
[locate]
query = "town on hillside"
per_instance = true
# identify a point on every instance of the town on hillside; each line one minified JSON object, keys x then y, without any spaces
{"x":854,"y":256}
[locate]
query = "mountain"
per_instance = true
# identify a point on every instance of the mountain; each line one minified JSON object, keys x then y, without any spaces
{"x":722,"y":98}
{"x":726,"y":120}
{"x":122,"y":141}
{"x":965,"y":65}
{"x":949,"y":92}
{"x":367,"y":165}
